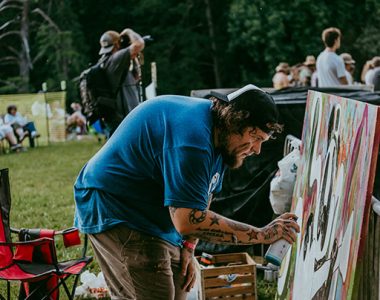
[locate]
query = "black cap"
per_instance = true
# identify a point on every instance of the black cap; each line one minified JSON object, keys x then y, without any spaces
{"x":260,"y":105}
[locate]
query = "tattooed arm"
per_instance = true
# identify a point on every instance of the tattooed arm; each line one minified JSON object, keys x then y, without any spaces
{"x":209,"y":226}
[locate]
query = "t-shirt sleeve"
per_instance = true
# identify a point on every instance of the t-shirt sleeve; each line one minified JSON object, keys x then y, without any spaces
{"x":219,"y":183}
{"x":118,"y":63}
{"x":186,"y":173}
{"x":7,"y":119}
{"x":340,"y":69}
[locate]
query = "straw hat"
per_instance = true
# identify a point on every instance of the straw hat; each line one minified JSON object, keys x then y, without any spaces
{"x":347,"y":58}
{"x":310,"y":60}
{"x":375,"y":62}
{"x":283,"y":66}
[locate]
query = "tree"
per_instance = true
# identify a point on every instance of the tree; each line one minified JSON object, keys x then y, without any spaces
{"x":20,"y":56}
{"x":36,"y":48}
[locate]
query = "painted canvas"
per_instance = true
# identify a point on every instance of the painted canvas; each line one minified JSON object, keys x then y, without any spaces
{"x":340,"y":142}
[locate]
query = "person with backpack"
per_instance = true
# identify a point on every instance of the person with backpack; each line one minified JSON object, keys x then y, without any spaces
{"x":144,"y":198}
{"x":106,"y":87}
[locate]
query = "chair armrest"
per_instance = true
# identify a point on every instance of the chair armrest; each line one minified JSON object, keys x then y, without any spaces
{"x":58,"y":232}
{"x":37,"y":242}
{"x":15,"y":230}
{"x":70,"y":236}
{"x":24,"y":250}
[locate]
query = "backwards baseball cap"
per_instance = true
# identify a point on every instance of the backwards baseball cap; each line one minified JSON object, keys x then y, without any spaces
{"x":260,"y":105}
{"x":108,"y":41}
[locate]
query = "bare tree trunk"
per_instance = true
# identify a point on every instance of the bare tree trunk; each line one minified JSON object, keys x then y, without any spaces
{"x":24,"y":54}
{"x":213,"y":44}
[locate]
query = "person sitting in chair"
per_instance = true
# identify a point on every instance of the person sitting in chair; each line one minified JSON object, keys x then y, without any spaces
{"x":6,"y":132}
{"x":21,"y":125}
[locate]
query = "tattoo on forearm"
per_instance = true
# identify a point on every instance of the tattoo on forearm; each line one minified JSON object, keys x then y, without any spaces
{"x":197,"y":216}
{"x":237,"y":226}
{"x":252,"y":235}
{"x":214,"y":220}
{"x":217,"y":235}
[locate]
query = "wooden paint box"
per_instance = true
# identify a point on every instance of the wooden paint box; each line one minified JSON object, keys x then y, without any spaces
{"x":232,"y":277}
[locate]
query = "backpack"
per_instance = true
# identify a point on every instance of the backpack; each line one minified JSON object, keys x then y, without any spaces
{"x":96,"y":94}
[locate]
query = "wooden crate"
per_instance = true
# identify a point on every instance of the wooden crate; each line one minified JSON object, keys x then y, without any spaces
{"x":215,"y":284}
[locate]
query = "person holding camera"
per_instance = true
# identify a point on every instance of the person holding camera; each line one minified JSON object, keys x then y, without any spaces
{"x":117,"y":61}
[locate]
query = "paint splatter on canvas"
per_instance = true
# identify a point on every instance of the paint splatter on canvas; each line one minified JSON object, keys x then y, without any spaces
{"x":331,"y":197}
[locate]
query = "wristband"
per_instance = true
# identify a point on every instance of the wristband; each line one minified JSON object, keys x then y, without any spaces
{"x":188,"y":245}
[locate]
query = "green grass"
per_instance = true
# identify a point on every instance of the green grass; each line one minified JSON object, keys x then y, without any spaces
{"x":42,"y":181}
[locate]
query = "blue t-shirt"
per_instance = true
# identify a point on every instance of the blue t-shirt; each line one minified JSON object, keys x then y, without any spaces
{"x":161,"y":155}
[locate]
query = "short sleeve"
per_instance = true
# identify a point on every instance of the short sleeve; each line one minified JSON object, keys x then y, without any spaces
{"x":219,"y":182}
{"x":186,"y":173}
{"x":117,"y":64}
{"x":340,"y":69}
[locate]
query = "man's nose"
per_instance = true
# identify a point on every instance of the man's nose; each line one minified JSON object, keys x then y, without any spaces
{"x":256,"y":148}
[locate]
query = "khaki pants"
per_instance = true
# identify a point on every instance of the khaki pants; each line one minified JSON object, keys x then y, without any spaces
{"x":138,"y":266}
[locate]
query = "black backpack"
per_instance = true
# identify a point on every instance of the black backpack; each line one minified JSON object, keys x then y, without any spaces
{"x":96,"y":94}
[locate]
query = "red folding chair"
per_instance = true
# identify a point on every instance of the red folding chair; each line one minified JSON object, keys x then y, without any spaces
{"x":33,"y":261}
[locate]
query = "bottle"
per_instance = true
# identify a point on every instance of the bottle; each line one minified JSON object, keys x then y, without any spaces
{"x":277,"y":251}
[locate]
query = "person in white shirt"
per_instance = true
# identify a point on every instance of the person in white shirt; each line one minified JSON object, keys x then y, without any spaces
{"x":6,"y":132}
{"x":330,"y":67}
{"x":21,"y":125}
{"x":374,"y":66}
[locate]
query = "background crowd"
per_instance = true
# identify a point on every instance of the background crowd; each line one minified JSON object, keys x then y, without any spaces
{"x":329,"y":69}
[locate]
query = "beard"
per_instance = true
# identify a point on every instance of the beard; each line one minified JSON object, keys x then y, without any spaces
{"x":229,"y":157}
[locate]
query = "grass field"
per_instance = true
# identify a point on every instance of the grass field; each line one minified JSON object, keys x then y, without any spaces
{"x":42,"y":181}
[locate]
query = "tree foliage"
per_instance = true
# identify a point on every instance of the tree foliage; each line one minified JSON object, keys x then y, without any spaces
{"x":197,"y":44}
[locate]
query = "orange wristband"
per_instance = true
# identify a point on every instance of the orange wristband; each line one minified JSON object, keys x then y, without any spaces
{"x":188,"y":245}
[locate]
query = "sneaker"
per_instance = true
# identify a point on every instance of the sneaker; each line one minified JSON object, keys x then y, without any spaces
{"x":15,"y":147}
{"x":23,"y":136}
{"x":35,"y":134}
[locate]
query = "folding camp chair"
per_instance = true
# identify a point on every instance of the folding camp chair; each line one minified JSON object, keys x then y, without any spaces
{"x":33,"y":261}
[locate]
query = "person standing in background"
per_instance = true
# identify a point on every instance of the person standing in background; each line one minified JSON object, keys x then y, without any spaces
{"x":307,"y":71}
{"x":349,"y":65}
{"x":330,"y":67}
{"x":280,"y":79}
{"x":117,"y":63}
{"x":374,"y":65}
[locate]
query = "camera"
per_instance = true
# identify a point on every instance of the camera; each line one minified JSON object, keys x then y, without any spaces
{"x":147,"y":38}
{"x":125,"y":42}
